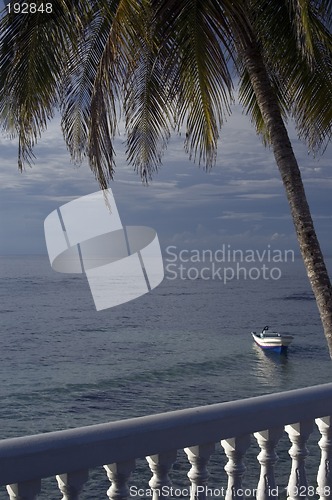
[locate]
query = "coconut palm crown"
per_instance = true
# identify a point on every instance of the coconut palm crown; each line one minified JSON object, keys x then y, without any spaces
{"x":166,"y":65}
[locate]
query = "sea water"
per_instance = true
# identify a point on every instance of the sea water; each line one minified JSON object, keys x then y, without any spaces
{"x":187,"y":343}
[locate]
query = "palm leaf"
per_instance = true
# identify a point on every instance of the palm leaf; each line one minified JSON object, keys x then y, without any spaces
{"x":310,"y":88}
{"x":299,"y":73}
{"x":97,"y":81}
{"x":79,"y":93}
{"x":301,"y":25}
{"x":33,"y":49}
{"x":108,"y":85}
{"x":196,"y":40}
{"x":147,"y":104}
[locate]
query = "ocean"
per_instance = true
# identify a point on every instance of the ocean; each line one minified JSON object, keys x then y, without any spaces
{"x":186,"y":343}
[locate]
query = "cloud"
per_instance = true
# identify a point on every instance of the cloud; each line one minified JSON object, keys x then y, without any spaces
{"x":241,"y":198}
{"x":251,"y":216}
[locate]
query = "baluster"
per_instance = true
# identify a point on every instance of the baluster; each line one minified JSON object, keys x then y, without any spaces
{"x":199,"y":456}
{"x":324,"y":476}
{"x":298,"y":434}
{"x":119,"y":473}
{"x":160,"y":466}
{"x":267,"y":441}
{"x":235,"y":449}
{"x":27,"y":490}
{"x":71,"y":484}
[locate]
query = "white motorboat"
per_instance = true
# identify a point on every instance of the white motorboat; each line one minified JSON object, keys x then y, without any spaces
{"x":272,"y":341}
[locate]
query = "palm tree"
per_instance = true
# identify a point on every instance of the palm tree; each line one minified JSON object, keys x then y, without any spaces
{"x":170,"y":63}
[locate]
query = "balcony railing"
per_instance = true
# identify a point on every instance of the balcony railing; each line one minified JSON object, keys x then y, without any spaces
{"x":70,"y":454}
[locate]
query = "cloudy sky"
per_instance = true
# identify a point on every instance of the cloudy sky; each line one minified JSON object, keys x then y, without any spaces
{"x":241,"y":202}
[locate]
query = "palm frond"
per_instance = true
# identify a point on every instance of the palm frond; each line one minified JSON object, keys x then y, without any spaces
{"x":32,"y":54}
{"x":110,"y":74}
{"x":310,"y":91}
{"x":96,"y":83}
{"x":302,"y":81}
{"x":302,"y":29}
{"x":326,"y":9}
{"x":147,"y":104}
{"x":101,"y":128}
{"x":79,"y":84}
{"x":196,"y":38}
{"x":310,"y":86}
{"x":168,"y":63}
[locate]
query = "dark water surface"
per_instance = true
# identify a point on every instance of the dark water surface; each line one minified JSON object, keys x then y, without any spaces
{"x":187,"y":343}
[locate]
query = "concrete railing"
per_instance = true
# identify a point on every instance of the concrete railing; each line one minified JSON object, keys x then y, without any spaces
{"x":69,"y":454}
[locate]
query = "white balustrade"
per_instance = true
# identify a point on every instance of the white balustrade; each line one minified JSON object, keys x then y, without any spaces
{"x":235,"y":449}
{"x":267,"y":441}
{"x":70,"y":454}
{"x":160,"y":466}
{"x":199,"y":456}
{"x":324,"y":476}
{"x":119,"y":473}
{"x":298,"y":434}
{"x":71,"y":484}
{"x":27,"y":490}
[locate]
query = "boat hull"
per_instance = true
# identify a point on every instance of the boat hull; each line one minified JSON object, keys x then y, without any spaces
{"x":272,"y":342}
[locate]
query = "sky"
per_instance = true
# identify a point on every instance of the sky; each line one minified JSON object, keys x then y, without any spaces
{"x":240,"y":202}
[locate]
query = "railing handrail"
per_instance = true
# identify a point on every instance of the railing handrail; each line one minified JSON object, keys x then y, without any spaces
{"x":44,"y":455}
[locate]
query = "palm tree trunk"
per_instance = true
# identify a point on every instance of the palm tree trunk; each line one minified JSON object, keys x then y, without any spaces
{"x":291,"y":177}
